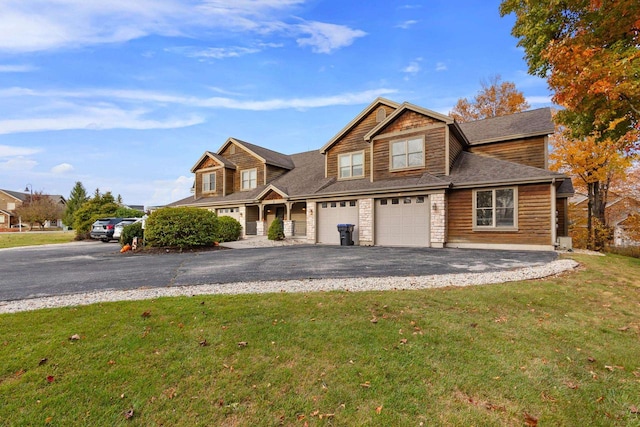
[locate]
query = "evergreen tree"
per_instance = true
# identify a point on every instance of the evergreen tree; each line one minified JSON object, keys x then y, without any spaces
{"x":77,"y":198}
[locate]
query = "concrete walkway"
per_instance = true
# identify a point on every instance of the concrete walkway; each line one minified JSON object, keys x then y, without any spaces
{"x":263,"y":242}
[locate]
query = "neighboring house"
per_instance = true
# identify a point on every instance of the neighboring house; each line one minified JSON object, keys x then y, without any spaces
{"x":617,"y":212}
{"x":10,"y":200}
{"x":404,"y":176}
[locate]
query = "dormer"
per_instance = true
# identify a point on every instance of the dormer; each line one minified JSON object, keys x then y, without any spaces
{"x":347,"y":154}
{"x":255,"y":166}
{"x":212,"y":171}
{"x":411,"y":141}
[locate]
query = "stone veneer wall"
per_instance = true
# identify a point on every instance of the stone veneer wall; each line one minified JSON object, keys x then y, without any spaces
{"x":311,"y":221}
{"x":365,"y":221}
{"x":438,"y":226}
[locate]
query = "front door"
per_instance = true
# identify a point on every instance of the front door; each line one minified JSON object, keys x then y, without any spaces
{"x":280,"y":212}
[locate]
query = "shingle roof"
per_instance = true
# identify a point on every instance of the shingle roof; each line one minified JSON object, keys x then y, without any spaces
{"x":527,"y":123}
{"x":16,"y":194}
{"x":473,"y":169}
{"x":271,"y":157}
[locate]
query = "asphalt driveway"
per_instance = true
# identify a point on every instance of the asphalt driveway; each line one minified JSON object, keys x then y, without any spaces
{"x":93,"y":266}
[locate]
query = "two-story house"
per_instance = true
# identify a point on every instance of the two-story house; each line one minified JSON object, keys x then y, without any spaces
{"x":10,"y":200}
{"x":404,"y":176}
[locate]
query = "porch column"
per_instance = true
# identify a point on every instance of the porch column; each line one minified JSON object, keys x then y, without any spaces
{"x":311,"y":221}
{"x":438,"y":226}
{"x":243,"y":220}
{"x":366,"y":221}
{"x":287,"y":223}
{"x":260,"y":228}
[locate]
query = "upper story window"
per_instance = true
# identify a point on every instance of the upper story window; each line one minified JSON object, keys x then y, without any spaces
{"x":208,"y":182}
{"x":495,"y":208}
{"x":408,"y":153}
{"x":249,"y":179}
{"x":351,"y":165}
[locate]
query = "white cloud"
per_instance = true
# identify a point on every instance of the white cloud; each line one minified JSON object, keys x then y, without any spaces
{"x":95,"y":118}
{"x":441,"y":66}
{"x":62,"y":168}
{"x":9,"y":151}
{"x":539,"y":100}
{"x":164,"y":192}
{"x":349,"y":98}
{"x":325,"y":38}
{"x":220,"y":52}
{"x":412,"y":68}
{"x":18,"y":164}
{"x":17,"y":68}
{"x":407,"y":24}
{"x":40,"y":25}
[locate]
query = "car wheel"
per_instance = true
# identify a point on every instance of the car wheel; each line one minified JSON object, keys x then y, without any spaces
{"x":105,"y":240}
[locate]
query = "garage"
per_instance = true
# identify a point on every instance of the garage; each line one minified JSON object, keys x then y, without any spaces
{"x":402,"y":221}
{"x":330,"y":214}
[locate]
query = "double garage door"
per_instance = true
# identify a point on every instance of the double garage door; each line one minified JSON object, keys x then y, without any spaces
{"x":402,"y":221}
{"x":330,"y":214}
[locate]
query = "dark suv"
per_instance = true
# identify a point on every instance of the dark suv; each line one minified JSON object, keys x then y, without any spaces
{"x":103,"y":228}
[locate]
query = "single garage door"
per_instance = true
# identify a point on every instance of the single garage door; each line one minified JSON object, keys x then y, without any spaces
{"x":330,"y":214}
{"x":402,"y":221}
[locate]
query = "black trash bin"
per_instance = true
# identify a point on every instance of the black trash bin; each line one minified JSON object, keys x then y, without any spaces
{"x":346,"y":234}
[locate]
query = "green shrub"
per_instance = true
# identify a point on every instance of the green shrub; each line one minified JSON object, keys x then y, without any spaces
{"x":276,"y":230}
{"x":131,"y":231}
{"x":228,"y":229}
{"x":181,"y":227}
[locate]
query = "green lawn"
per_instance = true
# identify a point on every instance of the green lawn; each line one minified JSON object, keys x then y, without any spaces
{"x":33,"y":238}
{"x":558,"y":352}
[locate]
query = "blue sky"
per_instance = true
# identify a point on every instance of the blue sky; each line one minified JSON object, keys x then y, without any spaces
{"x":126,"y":95}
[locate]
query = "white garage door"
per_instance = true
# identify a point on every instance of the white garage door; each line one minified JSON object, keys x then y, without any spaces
{"x":232,"y":212}
{"x":330,"y":214}
{"x":402,"y":221}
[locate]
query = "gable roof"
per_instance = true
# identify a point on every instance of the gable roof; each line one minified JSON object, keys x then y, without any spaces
{"x":16,"y":195}
{"x":513,"y":126}
{"x":224,"y":162}
{"x":404,"y":107}
{"x":375,"y":104}
{"x":270,"y":157}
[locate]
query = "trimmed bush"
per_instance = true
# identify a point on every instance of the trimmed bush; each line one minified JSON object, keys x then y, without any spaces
{"x":228,"y":229}
{"x":181,"y":227}
{"x":131,"y":231}
{"x":276,"y":230}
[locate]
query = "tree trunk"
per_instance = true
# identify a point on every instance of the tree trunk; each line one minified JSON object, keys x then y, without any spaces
{"x":590,"y":203}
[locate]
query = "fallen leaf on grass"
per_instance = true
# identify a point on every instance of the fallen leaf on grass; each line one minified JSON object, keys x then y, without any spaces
{"x":546,"y":397}
{"x":374,"y":320}
{"x":128,"y":415}
{"x":203,"y":343}
{"x":74,"y":337}
{"x":403,"y":341}
{"x":48,"y":420}
{"x":50,"y":379}
{"x":146,"y":313}
{"x":19,"y":373}
{"x":42,"y":361}
{"x":572,"y":385}
{"x":623,"y":329}
{"x":634,"y":409}
{"x":530,"y":420}
{"x":243,"y":344}
{"x":591,"y":359}
{"x":613,"y":368}
{"x":111,"y":362}
{"x":366,"y":384}
{"x":379,"y":409}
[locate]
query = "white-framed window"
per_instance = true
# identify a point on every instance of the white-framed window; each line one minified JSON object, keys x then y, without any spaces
{"x":208,"y":182}
{"x":2,"y":219}
{"x":351,"y":165}
{"x":495,"y":208}
{"x":406,"y":154}
{"x":249,"y":179}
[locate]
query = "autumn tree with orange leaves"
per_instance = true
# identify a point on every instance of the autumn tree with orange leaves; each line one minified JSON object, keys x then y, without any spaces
{"x":588,"y":52}
{"x":495,"y":98}
{"x":597,"y":167}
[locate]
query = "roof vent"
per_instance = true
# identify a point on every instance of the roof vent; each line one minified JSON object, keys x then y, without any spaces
{"x":381,"y":114}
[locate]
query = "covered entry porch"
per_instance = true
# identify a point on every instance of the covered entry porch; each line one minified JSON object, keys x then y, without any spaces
{"x":260,"y":216}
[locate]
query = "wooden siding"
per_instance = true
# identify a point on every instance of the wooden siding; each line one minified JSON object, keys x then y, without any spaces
{"x":563,"y":220}
{"x":455,"y":148}
{"x":534,"y":218}
{"x":272,"y":195}
{"x":353,"y":140}
{"x":529,"y":151}
{"x":243,"y":161}
{"x":230,"y":179}
{"x":434,"y":155}
{"x":409,"y":120}
{"x":219,"y":184}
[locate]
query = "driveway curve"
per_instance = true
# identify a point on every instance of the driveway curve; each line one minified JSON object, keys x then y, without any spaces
{"x":81,"y":267}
